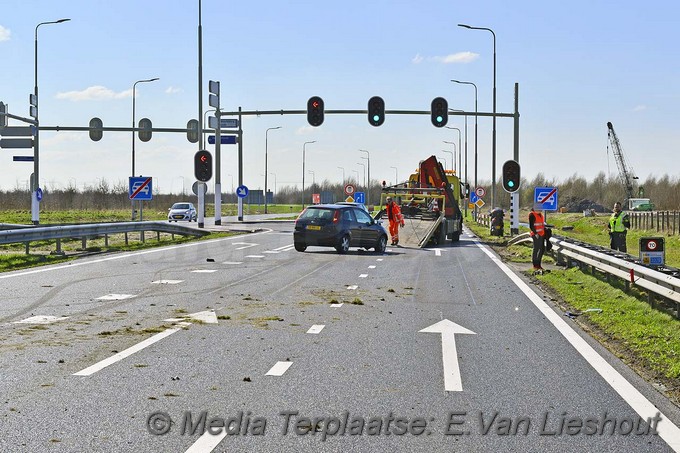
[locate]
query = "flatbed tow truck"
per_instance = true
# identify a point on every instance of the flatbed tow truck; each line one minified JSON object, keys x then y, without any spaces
{"x":429,"y":203}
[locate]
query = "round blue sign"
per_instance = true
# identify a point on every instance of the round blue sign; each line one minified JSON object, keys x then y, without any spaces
{"x":38,"y":194}
{"x":242,"y":191}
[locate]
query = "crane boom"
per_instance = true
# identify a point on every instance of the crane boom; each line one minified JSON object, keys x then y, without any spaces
{"x":625,"y":172}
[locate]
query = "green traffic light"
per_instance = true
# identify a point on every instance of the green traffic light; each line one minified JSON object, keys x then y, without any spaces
{"x":511,"y":183}
{"x":440,"y":119}
{"x":376,"y":118}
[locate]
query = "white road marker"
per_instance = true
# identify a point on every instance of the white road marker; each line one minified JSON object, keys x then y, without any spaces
{"x":166,"y":282}
{"x":316,"y":328}
{"x":279,"y":369}
{"x":285,"y":248}
{"x":116,"y":297}
{"x":379,"y":259}
{"x":244,"y":244}
{"x":668,"y":431}
{"x":271,"y":251}
{"x":448,"y":330}
{"x":254,"y":256}
{"x":233,"y":262}
{"x":126,"y":353}
{"x":371,"y":267}
{"x":363,"y":275}
{"x":208,"y":316}
{"x":207,"y":442}
{"x":336,"y":305}
{"x":41,"y":319}
{"x":352,"y":287}
{"x":204,"y":271}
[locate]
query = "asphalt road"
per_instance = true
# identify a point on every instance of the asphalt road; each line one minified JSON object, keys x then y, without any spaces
{"x":411,"y":350}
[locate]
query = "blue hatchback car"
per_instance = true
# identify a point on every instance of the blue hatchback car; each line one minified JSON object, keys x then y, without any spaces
{"x":339,"y":226}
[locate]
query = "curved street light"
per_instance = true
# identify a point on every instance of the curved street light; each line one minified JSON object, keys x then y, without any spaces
{"x":303,"y":171}
{"x":134,"y":93}
{"x":266,"y":136}
{"x":368,"y":188}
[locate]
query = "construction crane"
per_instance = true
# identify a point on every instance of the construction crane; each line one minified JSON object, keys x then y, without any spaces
{"x":627,"y":176}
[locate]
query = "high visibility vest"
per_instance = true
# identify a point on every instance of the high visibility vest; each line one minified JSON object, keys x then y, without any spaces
{"x":616,"y":222}
{"x":393,"y":212}
{"x":539,"y":224}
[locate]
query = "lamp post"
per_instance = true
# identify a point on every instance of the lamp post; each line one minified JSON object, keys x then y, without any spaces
{"x":368,"y":188}
{"x":364,"y":166}
{"x":493,"y":134}
{"x":357,"y":173}
{"x":35,"y":204}
{"x":454,"y":150}
{"x":134,"y":93}
{"x":274,"y":181}
{"x":459,"y":168}
{"x":266,"y":136}
{"x":396,"y":178}
{"x":303,"y":171}
{"x":204,"y":122}
{"x":313,"y":179}
{"x":452,"y":156}
{"x":475,"y":86}
{"x":343,"y":175}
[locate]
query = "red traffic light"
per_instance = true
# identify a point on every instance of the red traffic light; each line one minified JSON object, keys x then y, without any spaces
{"x":203,"y":165}
{"x":315,"y":111}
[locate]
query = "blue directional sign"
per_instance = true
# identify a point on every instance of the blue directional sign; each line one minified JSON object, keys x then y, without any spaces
{"x":359,"y":197}
{"x":546,"y":198}
{"x":224,"y":139}
{"x":242,"y":191}
{"x":473,"y":197}
{"x":140,"y":188}
{"x":39,"y":194}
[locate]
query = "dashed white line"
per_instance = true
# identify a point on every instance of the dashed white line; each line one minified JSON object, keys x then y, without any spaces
{"x":115,"y":297}
{"x":244,"y":244}
{"x":232,"y":262}
{"x":126,"y":353}
{"x":316,"y":328}
{"x":371,"y":267}
{"x":336,"y":305}
{"x":379,"y":259}
{"x":271,"y":251}
{"x":285,"y":248}
{"x":363,"y":275}
{"x":41,"y":319}
{"x":254,"y":256}
{"x":279,"y":369}
{"x":166,"y":282}
{"x":352,"y":287}
{"x":204,"y":271}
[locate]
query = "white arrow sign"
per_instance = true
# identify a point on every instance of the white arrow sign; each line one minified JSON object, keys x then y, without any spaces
{"x":448,"y":329}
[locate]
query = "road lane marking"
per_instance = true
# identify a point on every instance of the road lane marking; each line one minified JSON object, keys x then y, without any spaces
{"x":204,"y":271}
{"x":279,"y":369}
{"x":379,"y":259}
{"x":668,"y":431}
{"x":301,"y":278}
{"x":41,"y":319}
{"x":254,"y":256}
{"x":371,"y":267}
{"x":207,"y":442}
{"x":448,"y":330}
{"x":285,"y":248}
{"x":336,"y":305}
{"x":232,"y":262}
{"x":166,"y":282}
{"x":126,"y":353}
{"x":116,"y":297}
{"x":244,"y":244}
{"x":316,"y":328}
{"x":271,"y":251}
{"x":363,"y":275}
{"x":352,"y":287}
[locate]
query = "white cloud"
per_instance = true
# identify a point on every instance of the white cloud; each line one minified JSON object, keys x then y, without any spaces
{"x":4,"y":33}
{"x":173,"y":90}
{"x":94,"y":93}
{"x":460,"y":57}
{"x":639,"y":108}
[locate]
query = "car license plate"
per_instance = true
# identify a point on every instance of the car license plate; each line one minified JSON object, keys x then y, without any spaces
{"x":313,"y":227}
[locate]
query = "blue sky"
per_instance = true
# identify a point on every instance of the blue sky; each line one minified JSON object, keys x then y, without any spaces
{"x":578,"y":64}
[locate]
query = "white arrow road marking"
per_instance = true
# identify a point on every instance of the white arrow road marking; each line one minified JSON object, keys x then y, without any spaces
{"x":166,"y":282}
{"x":123,"y":354}
{"x":448,"y":329}
{"x":41,"y":319}
{"x":115,"y":297}
{"x":244,"y":244}
{"x":279,"y":369}
{"x":316,"y":328}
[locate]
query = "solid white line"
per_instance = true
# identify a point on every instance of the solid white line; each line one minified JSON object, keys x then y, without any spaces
{"x":123,"y":354}
{"x":279,"y":369}
{"x":363,"y":275}
{"x":316,"y":328}
{"x":668,"y":431}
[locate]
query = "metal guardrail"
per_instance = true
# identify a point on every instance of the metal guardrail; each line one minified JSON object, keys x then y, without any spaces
{"x":622,"y":266}
{"x":32,"y":234}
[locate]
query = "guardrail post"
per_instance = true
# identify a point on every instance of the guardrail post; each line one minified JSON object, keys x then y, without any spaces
{"x":126,"y":238}
{"x":58,"y":251}
{"x":106,"y":240}
{"x":27,"y":249}
{"x":158,"y":236}
{"x":650,"y":299}
{"x":141,"y":236}
{"x":84,"y":242}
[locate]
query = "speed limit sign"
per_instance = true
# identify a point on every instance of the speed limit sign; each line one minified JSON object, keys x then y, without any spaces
{"x":349,"y":189}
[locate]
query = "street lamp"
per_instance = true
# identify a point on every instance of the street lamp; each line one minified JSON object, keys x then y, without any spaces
{"x":303,"y":171}
{"x":368,"y":188}
{"x":274,"y":181}
{"x":454,"y":150}
{"x":471,"y":83}
{"x":134,"y":93}
{"x":396,"y":178}
{"x":343,"y":175}
{"x":452,"y":156}
{"x":266,"y":136}
{"x":35,"y":206}
{"x":313,"y":179}
{"x":205,"y":122}
{"x":363,"y":165}
{"x":459,"y":167}
{"x":357,"y":173}
{"x":493,"y":134}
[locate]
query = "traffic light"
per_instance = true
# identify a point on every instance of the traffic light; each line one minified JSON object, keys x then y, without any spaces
{"x":315,"y":111}
{"x":376,"y":111}
{"x":439,"y":112}
{"x":203,"y":165}
{"x":511,"y":176}
{"x":96,"y":132}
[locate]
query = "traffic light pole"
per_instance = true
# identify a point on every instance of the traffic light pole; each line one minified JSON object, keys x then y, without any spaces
{"x":514,"y":197}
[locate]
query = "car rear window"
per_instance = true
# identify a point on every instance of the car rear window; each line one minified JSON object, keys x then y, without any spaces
{"x":317,"y":213}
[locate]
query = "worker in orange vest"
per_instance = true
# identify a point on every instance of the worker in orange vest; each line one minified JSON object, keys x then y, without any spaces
{"x":537,"y":227}
{"x":395,"y":218}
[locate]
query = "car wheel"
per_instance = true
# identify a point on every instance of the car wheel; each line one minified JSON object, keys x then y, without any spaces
{"x":343,"y":246}
{"x":381,"y":245}
{"x":300,"y":247}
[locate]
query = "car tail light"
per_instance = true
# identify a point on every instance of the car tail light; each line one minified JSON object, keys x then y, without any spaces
{"x":336,"y":217}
